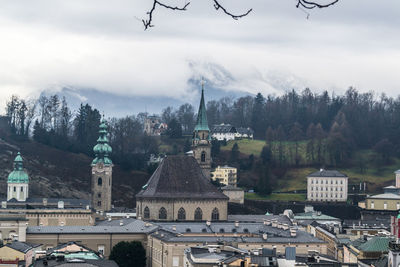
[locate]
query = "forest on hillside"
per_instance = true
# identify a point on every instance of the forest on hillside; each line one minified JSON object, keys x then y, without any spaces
{"x":299,"y":129}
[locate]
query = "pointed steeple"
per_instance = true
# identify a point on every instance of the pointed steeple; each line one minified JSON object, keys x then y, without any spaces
{"x":202,"y":123}
{"x":102,"y":150}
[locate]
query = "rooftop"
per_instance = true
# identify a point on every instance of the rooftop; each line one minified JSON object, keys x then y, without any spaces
{"x":179,"y":177}
{"x":327,"y":173}
{"x":74,"y":263}
{"x":22,"y":246}
{"x":385,"y":196}
{"x":314,"y":215}
{"x":134,"y":226}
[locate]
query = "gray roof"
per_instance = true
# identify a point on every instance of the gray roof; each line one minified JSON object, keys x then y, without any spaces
{"x":396,"y":172}
{"x":223,"y":128}
{"x":259,"y":218}
{"x":37,"y":203}
{"x":275,"y":235}
{"x":179,"y":177}
{"x":136,"y":226}
{"x":231,"y":188}
{"x":327,"y":173}
{"x":301,"y":237}
{"x":385,"y":196}
{"x":21,"y":246}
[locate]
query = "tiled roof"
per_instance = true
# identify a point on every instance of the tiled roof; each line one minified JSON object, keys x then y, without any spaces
{"x":375,"y":244}
{"x":179,"y":177}
{"x":21,"y":246}
{"x":223,"y":128}
{"x":327,"y":173}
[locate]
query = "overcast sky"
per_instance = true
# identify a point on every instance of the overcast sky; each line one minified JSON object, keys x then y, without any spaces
{"x":48,"y":44}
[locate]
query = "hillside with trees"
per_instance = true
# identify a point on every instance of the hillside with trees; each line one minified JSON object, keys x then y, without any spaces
{"x":299,"y":131}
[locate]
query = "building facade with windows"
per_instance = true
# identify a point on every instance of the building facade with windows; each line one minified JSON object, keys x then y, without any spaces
{"x":327,"y":185}
{"x":179,"y":191}
{"x":387,"y":201}
{"x":225,"y":175}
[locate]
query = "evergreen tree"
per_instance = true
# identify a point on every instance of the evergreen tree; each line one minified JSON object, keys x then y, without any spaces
{"x":128,"y":254}
{"x":257,"y":118}
{"x":234,"y":156}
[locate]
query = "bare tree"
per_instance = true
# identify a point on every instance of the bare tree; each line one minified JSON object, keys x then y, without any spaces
{"x":300,"y":4}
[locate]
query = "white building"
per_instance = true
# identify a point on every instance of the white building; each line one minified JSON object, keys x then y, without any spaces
{"x":223,"y":132}
{"x":228,"y":132}
{"x":327,"y":185}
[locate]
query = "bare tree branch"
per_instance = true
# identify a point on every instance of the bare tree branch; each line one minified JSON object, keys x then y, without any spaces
{"x":307,"y":4}
{"x":147,"y":23}
{"x":219,"y":6}
{"x":311,"y":4}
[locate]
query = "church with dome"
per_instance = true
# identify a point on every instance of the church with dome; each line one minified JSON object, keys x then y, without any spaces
{"x":46,"y":211}
{"x":180,"y":188}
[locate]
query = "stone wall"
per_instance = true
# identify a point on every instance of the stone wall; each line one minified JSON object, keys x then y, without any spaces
{"x":101,"y":194}
{"x":173,"y":206}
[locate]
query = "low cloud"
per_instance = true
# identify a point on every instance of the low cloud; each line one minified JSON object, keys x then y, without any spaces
{"x":102,"y":45}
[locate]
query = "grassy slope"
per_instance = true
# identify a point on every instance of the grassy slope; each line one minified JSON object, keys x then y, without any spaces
{"x":295,"y":178}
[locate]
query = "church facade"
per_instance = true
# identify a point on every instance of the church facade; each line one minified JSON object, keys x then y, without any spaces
{"x":180,"y":188}
{"x":179,"y":191}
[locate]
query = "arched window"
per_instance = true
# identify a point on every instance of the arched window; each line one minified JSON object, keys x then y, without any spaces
{"x":162,"y":214}
{"x":215,"y":215}
{"x":146,"y":213}
{"x":198,"y":214}
{"x":203,"y":156}
{"x":99,"y":181}
{"x":181,"y":214}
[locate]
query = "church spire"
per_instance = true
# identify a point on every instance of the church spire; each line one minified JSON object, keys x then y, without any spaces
{"x":102,"y":150}
{"x":202,"y":123}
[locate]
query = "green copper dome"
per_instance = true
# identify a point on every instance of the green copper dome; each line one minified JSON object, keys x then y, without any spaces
{"x":102,"y":149}
{"x":18,"y":175}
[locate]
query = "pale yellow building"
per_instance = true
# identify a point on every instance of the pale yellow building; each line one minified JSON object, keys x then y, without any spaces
{"x":225,"y":175}
{"x":20,"y":251}
{"x":387,"y":201}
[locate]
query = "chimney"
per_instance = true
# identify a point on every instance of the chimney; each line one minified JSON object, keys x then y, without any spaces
{"x":264,"y":236}
{"x":4,"y":204}
{"x":121,"y":222}
{"x":208,"y":223}
{"x":44,"y":201}
{"x":173,"y":227}
{"x":60,"y":204}
{"x":321,"y":170}
{"x":236,"y":224}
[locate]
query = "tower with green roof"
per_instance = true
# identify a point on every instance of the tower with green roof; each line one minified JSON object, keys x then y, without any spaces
{"x":201,"y":140}
{"x":102,"y":171}
{"x":18,"y":181}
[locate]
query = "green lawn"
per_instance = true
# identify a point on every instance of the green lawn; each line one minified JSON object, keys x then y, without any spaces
{"x":295,"y":179}
{"x":246,"y":146}
{"x":276,"y":197}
